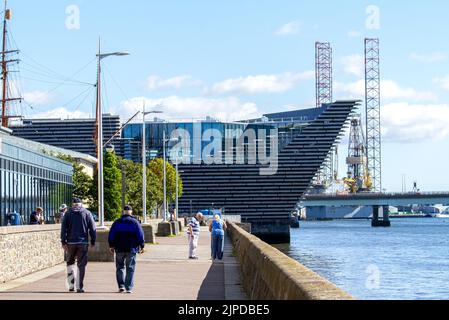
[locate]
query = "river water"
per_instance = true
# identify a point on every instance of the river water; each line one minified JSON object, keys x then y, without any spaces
{"x":409,"y":261}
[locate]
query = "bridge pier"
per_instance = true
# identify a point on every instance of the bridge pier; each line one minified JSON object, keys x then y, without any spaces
{"x":378,"y":220}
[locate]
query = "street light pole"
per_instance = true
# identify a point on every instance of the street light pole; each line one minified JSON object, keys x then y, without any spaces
{"x":100,"y":143}
{"x":165,"y":179}
{"x":144,"y":168}
{"x":144,"y":163}
{"x":177,"y":184}
{"x":99,"y":134}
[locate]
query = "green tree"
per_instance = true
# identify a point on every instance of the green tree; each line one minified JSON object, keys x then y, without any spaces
{"x":133,"y":187}
{"x":133,"y":184}
{"x":112,"y":187}
{"x":82,"y":181}
{"x":156,"y":167}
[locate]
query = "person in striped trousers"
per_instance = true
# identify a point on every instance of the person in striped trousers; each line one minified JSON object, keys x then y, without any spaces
{"x":193,"y":233}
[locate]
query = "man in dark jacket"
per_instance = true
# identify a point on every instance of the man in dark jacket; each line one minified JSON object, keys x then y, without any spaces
{"x":36,"y":217}
{"x":77,"y":225}
{"x":126,"y":239}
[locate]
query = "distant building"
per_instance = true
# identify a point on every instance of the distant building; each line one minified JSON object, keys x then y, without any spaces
{"x":132,"y":136}
{"x":71,"y":134}
{"x":288,"y":123}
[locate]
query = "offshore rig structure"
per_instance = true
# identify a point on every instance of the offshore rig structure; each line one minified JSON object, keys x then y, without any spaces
{"x":364,"y":158}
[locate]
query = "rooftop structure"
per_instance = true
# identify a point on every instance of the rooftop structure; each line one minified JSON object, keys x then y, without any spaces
{"x":71,"y":134}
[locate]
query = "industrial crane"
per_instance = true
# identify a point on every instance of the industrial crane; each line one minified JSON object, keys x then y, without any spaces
{"x":358,"y":178}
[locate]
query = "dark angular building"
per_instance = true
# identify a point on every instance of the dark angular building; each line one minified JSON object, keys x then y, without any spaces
{"x":72,"y":134}
{"x":267,"y":201}
{"x":305,"y":139}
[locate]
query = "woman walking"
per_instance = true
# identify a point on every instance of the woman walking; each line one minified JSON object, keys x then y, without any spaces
{"x":217,"y":228}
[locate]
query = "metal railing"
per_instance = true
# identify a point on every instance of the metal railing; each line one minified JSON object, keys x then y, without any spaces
{"x":433,"y":194}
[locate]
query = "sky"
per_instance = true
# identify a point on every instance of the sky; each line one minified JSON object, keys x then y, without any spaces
{"x":235,"y":60}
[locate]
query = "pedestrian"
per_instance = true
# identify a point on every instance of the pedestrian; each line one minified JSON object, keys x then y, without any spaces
{"x":60,"y":215}
{"x":77,"y":226}
{"x":217,"y":229}
{"x":193,"y":233}
{"x":126,"y":240}
{"x":37,"y":217}
{"x":13,"y":219}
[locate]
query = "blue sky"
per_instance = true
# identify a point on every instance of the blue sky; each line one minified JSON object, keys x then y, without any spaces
{"x":238,"y":59}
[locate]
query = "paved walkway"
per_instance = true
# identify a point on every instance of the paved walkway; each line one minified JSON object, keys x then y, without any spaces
{"x":163,"y":273}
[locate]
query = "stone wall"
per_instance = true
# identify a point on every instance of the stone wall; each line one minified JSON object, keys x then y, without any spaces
{"x":28,"y":249}
{"x":268,"y":274}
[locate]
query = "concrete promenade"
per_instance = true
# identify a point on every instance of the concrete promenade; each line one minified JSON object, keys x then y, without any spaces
{"x":163,"y":273}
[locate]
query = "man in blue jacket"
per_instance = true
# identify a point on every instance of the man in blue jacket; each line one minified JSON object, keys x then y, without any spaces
{"x":126,"y":239}
{"x":77,"y":225}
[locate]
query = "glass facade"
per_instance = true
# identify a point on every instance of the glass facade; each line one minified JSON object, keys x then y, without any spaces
{"x":29,"y":179}
{"x":132,"y":135}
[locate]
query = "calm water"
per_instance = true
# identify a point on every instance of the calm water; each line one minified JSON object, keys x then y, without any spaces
{"x":408,"y":261}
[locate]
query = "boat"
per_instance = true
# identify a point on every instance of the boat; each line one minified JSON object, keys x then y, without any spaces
{"x":442,"y":216}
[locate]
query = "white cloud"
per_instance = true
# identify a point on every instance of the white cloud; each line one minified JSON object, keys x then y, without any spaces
{"x":38,"y":98}
{"x":60,"y":113}
{"x":262,"y":83}
{"x":354,"y":64}
{"x":354,"y":34}
{"x":443,"y":82}
{"x":289,"y":28}
{"x":174,"y":107}
{"x":178,"y":82}
{"x":428,"y":57}
{"x":390,"y":90}
{"x":33,"y":98}
{"x":408,"y":123}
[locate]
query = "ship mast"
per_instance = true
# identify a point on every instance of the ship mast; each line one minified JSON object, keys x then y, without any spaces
{"x":5,"y":72}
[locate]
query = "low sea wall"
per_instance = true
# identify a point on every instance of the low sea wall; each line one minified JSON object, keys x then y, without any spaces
{"x":28,"y":249}
{"x":268,"y":274}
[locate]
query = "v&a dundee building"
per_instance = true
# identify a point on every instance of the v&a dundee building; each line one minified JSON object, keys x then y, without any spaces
{"x":29,"y":178}
{"x":305,"y":140}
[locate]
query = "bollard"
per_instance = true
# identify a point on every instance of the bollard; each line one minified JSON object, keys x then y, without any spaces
{"x":101,"y":251}
{"x":164,"y":229}
{"x":149,"y":233}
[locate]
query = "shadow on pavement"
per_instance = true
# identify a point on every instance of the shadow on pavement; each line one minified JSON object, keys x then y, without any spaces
{"x":213,"y":286}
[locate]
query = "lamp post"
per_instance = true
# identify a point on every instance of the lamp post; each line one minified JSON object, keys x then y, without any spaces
{"x":99,"y":132}
{"x":165,"y":140}
{"x":177,"y":188}
{"x":177,"y":183}
{"x":144,"y":164}
{"x":165,"y":179}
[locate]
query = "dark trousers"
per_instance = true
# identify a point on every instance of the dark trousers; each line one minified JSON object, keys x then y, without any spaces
{"x":217,"y":247}
{"x":77,"y":253}
{"x":125,"y":261}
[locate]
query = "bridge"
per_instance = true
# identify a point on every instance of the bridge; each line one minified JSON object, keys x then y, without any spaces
{"x":378,"y":201}
{"x":375,"y":199}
